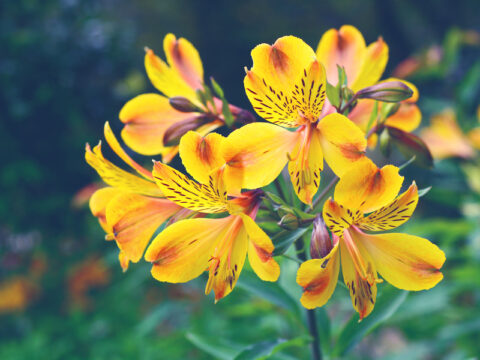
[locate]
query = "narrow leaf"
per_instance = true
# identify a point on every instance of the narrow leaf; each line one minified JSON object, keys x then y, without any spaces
{"x":387,"y":303}
{"x":212,"y":346}
{"x":265,"y":349}
{"x":284,"y":239}
{"x":271,"y":292}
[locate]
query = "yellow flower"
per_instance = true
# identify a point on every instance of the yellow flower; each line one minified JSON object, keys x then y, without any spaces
{"x":445,"y":139}
{"x":132,"y":208}
{"x":184,"y":250}
{"x":286,"y":86}
{"x":407,"y":262}
{"x":148,"y":117}
{"x":364,"y":66}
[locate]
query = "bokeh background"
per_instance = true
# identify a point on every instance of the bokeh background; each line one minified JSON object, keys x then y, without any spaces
{"x":67,"y":66}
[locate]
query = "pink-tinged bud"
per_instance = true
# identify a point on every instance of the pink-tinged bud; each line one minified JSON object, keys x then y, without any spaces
{"x":391,"y":91}
{"x":183,"y":104}
{"x":321,"y":244}
{"x":174,"y":133}
{"x":289,"y":221}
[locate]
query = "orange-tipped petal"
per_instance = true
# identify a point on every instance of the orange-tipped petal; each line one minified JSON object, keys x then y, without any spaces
{"x":184,"y":59}
{"x":123,"y":260}
{"x":344,"y":47}
{"x":362,"y":287}
{"x":373,"y":65}
{"x":260,"y":249}
{"x":407,"y":262}
{"x":182,"y":251}
{"x":167,"y":80}
{"x":342,"y":141}
{"x":116,"y":177}
{"x":98,"y":204}
{"x":367,"y":188}
{"x":444,"y":137}
{"x":115,"y":145}
{"x":394,"y":214}
{"x":201,"y":155}
{"x":255,"y":154}
{"x":207,"y":198}
{"x":146,"y":118}
{"x":228,"y":258}
{"x":306,"y":165}
{"x":319,"y":277}
{"x":134,"y":219}
{"x":407,"y":118}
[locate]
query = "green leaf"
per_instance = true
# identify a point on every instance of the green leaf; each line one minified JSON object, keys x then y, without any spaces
{"x":284,"y":239}
{"x":272,"y":292}
{"x":342,"y":76}
{"x":212,"y":346}
{"x":227,"y":114}
{"x":387,"y":303}
{"x":265,"y":349}
{"x":373,"y":116}
{"x":410,"y":145}
{"x":333,"y":95}
{"x":218,"y":90}
{"x":423,"y":192}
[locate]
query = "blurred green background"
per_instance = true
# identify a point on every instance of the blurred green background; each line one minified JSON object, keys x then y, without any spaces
{"x":67,"y":66}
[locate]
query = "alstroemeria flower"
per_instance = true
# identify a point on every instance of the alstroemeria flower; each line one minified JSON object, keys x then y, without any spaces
{"x":445,"y":139}
{"x":286,"y":86}
{"x":364,"y":66}
{"x":132,"y":208}
{"x":184,"y":250}
{"x":147,"y":117}
{"x":366,"y":201}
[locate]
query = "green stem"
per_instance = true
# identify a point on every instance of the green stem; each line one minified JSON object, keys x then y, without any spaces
{"x":311,"y":318}
{"x":323,"y":194}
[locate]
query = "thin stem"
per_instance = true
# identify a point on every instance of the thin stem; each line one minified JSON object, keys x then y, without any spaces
{"x":311,"y":318}
{"x":323,"y":194}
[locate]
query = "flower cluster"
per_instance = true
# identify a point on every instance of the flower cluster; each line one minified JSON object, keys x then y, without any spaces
{"x":328,"y":105}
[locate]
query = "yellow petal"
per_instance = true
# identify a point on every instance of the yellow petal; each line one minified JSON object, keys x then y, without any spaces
{"x":394,"y":214}
{"x":342,"y":141}
{"x":361,"y":113}
{"x":98,"y":204}
{"x":407,"y":117}
{"x":256,"y":153}
{"x":307,"y":164}
{"x":146,"y":118}
{"x":344,"y":47}
{"x":363,"y":291}
{"x":201,"y":155}
{"x":299,"y":103}
{"x":319,"y":277}
{"x":134,"y":219}
{"x":167,"y":80}
{"x":116,"y":177}
{"x":115,"y":145}
{"x":367,"y":188}
{"x":182,"y":251}
{"x":373,"y":65}
{"x":474,"y":137}
{"x":123,"y":260}
{"x":260,"y":249}
{"x":207,"y":198}
{"x":228,"y":258}
{"x":444,"y":137}
{"x":338,"y":218}
{"x":407,"y":262}
{"x":184,"y":59}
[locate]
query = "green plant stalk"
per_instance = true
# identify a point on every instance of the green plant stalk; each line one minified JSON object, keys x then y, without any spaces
{"x":311,"y":318}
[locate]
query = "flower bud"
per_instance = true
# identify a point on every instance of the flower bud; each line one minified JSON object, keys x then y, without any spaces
{"x":391,"y":91}
{"x":176,"y":131}
{"x":289,"y":221}
{"x":245,"y":117}
{"x":320,"y":244}
{"x":183,"y":104}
